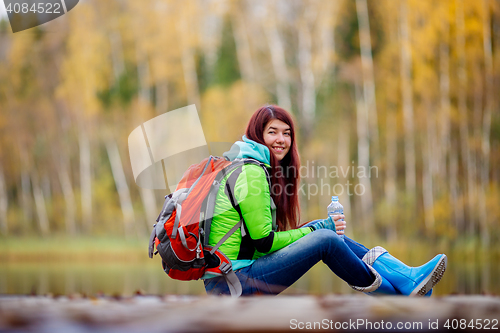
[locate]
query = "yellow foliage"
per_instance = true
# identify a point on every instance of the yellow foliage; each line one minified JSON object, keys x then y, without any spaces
{"x":225,"y":112}
{"x":492,"y":207}
{"x":86,"y":69}
{"x":153,"y":40}
{"x":442,"y":212}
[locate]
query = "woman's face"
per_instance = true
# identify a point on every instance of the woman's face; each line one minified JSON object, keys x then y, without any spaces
{"x":278,"y":138}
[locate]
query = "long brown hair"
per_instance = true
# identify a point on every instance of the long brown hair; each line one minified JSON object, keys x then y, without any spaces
{"x":285,"y":173}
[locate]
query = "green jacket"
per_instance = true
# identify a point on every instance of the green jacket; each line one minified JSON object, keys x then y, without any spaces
{"x":252,"y":194}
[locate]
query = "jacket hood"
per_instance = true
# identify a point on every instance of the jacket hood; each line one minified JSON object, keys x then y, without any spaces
{"x":249,"y":149}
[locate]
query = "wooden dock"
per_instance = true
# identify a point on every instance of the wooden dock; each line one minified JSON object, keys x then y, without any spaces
{"x":171,"y":313}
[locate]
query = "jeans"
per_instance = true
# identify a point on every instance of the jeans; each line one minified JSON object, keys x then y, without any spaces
{"x":274,"y":272}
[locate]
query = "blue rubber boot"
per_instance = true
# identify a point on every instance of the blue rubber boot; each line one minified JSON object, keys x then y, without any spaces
{"x":385,"y":288}
{"x":406,"y":280}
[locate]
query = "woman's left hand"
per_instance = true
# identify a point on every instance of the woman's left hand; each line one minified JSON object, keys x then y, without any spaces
{"x":340,"y":225}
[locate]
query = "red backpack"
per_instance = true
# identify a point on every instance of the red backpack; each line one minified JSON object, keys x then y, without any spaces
{"x":182,"y":230}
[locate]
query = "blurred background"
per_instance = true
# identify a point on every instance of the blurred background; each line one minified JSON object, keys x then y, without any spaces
{"x":407,"y":89}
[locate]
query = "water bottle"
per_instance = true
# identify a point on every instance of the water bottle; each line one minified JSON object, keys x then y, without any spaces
{"x":335,"y":208}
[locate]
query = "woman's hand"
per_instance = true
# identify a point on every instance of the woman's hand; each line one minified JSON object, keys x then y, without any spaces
{"x":340,"y":224}
{"x":327,"y":223}
{"x":333,"y":223}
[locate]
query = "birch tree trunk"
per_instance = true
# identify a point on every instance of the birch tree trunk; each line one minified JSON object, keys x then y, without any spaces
{"x":147,"y":195}
{"x":69,"y":196}
{"x":308,"y":104}
{"x":85,"y":179}
{"x":364,"y":160}
{"x":327,"y":19}
{"x":427,"y":181}
{"x":43,"y":220}
{"x":188,"y":64}
{"x":161,"y":91}
{"x":476,"y":156}
{"x":122,"y":187}
{"x":150,"y":208}
{"x":391,"y":172}
{"x":4,"y":204}
{"x":391,"y":142}
{"x":458,"y":210}
{"x":160,"y":74}
{"x":407,"y":91}
{"x":485,"y":170}
{"x":278,"y":60}
{"x":243,"y":51}
{"x":190,"y":77}
{"x":444,"y":92}
{"x":144,"y":78}
{"x":25,"y":196}
{"x":462,"y":110}
{"x":368,"y":76}
{"x":117,"y":54}
{"x":343,"y":162}
{"x":211,"y":28}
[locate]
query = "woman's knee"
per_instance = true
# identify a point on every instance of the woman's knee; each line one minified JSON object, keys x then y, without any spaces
{"x":327,"y":236}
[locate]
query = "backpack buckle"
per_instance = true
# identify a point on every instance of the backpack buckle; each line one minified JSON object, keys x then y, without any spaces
{"x":151,"y":247}
{"x":225,"y":268}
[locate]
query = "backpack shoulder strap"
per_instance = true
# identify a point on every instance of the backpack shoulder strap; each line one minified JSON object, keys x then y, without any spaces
{"x":268,"y":177}
{"x":236,"y":166}
{"x":229,"y":190}
{"x":230,"y":183}
{"x":208,"y":205}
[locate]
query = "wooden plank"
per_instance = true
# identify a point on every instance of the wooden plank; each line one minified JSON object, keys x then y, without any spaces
{"x":248,"y":314}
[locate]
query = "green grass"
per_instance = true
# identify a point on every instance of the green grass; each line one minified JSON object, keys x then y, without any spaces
{"x":92,"y":248}
{"x":59,"y":248}
{"x":66,"y":265}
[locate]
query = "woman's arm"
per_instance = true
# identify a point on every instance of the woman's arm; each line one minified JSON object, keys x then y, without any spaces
{"x":252,"y":194}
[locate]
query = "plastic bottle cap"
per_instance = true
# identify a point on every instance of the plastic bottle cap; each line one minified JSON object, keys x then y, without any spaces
{"x":335,"y":198}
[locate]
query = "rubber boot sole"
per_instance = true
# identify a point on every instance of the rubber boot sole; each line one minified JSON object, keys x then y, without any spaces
{"x":431,"y":280}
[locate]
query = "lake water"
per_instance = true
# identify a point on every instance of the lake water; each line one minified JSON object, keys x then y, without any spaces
{"x":57,"y":278}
